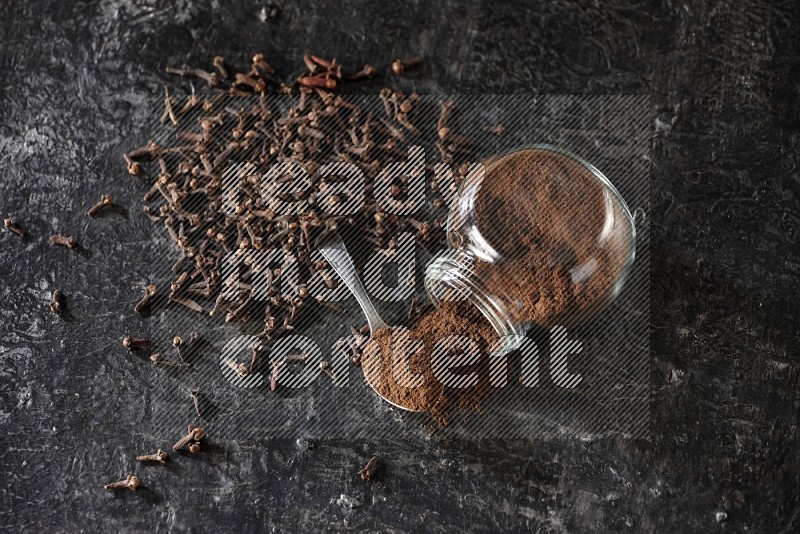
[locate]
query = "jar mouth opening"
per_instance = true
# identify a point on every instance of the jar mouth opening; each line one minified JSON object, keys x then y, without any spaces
{"x":447,"y":280}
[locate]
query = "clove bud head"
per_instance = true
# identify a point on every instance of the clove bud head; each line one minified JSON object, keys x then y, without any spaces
{"x":398,"y":68}
{"x":198,"y":433}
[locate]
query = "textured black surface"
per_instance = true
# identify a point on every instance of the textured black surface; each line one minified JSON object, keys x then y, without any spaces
{"x":76,"y":85}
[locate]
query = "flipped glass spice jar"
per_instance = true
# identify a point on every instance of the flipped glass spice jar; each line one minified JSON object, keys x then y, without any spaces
{"x":537,"y":236}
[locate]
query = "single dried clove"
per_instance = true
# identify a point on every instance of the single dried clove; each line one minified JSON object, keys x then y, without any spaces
{"x":243,"y":80}
{"x":194,"y":434}
{"x":157,"y":359}
{"x":296,"y":358}
{"x":219,"y":64}
{"x":57,"y":302}
{"x":179,"y":345}
{"x":194,"y":447}
{"x":446,"y":108}
{"x":158,"y":456}
{"x":368,"y":471}
{"x":261,"y":66}
{"x":239,"y":368}
{"x":169,"y":112}
{"x":255,"y":356}
{"x":399,"y":66}
{"x":131,"y":343}
{"x":325,"y":367}
{"x":149,"y":293}
{"x":331,"y":305}
{"x":211,"y":78}
{"x":65,"y":241}
{"x":368,"y":71}
{"x":322,"y":82}
{"x":133,"y":166}
{"x":130,"y":482}
{"x":12,"y":226}
{"x":106,"y":201}
{"x":188,"y":303}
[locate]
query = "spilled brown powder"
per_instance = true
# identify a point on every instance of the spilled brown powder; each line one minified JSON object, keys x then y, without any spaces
{"x":562,"y":235}
{"x":378,"y":370}
{"x":461,"y":319}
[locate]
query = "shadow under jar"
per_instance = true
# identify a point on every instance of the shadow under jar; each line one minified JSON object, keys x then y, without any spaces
{"x":537,"y":236}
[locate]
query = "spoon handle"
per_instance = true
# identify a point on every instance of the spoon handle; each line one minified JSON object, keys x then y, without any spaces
{"x":334,"y":251}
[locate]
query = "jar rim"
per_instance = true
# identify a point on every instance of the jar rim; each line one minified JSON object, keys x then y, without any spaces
{"x":451,"y":271}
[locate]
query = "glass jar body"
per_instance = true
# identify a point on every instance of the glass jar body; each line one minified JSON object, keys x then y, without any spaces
{"x":536,"y":236}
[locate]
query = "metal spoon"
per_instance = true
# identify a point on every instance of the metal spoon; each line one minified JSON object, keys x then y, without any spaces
{"x":334,"y":251}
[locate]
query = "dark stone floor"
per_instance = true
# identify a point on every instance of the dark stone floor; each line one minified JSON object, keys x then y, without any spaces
{"x":76,"y":83}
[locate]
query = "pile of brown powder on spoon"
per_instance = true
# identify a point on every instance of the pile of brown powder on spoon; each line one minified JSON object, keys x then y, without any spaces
{"x":461,"y":319}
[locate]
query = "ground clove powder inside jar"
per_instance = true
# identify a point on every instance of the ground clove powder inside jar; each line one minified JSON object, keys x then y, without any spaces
{"x":559,"y":232}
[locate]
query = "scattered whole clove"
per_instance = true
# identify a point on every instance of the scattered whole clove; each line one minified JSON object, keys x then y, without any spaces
{"x":64,"y":241}
{"x":130,"y":482}
{"x":219,"y":63}
{"x":179,"y":345}
{"x":158,"y":456}
{"x":325,"y":367}
{"x":132,"y":165}
{"x":368,"y":471}
{"x":57,"y":302}
{"x":106,"y":201}
{"x":194,"y":434}
{"x":158,"y":359}
{"x":147,"y":299}
{"x":297,"y":358}
{"x":13,"y":227}
{"x":261,"y":65}
{"x":131,"y":343}
{"x":368,"y":71}
{"x":399,"y":66}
